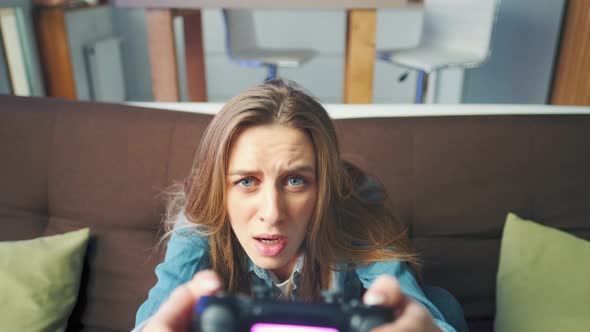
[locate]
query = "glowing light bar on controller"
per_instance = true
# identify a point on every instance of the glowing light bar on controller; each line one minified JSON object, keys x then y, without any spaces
{"x":264,"y":327}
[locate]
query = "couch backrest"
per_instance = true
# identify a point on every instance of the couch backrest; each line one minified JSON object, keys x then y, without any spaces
{"x":66,"y":165}
{"x":454,"y":179}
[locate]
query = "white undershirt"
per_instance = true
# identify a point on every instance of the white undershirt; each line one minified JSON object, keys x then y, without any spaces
{"x":282,"y":286}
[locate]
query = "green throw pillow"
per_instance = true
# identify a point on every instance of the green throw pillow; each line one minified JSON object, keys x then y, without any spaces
{"x":543,"y":281}
{"x":39,"y":281}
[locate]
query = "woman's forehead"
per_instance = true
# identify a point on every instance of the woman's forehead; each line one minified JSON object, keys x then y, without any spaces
{"x":275,"y":145}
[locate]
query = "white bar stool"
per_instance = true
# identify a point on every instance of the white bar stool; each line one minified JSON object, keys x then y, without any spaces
{"x":242,"y":48}
{"x":455,"y":33}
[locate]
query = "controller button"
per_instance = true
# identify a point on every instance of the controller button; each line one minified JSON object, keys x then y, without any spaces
{"x":217,"y":318}
{"x":257,"y":310}
{"x":332,"y":297}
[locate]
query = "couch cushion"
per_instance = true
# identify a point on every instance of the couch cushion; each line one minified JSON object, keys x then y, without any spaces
{"x":40,"y":280}
{"x":542,"y":282}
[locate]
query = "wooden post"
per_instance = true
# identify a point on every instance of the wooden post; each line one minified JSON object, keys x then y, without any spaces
{"x":360,"y":56}
{"x":194,"y":55}
{"x":162,"y":55}
{"x":571,"y":83}
{"x":54,"y":52}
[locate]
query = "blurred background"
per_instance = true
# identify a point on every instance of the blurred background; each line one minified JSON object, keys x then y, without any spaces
{"x":100,"y":50}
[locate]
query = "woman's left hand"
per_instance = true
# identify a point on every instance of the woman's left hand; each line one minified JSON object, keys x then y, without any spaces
{"x":409,"y":315}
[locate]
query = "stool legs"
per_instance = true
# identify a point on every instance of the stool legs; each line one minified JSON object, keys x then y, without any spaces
{"x":421,"y":87}
{"x":272,"y":72}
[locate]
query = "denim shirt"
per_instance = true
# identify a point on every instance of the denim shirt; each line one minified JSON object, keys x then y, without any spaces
{"x":188,"y":253}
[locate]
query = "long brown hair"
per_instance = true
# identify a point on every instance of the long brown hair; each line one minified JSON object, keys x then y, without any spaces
{"x":345,"y":229}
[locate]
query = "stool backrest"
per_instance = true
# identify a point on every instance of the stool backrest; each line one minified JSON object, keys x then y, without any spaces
{"x":240,"y":34}
{"x":464,"y":25}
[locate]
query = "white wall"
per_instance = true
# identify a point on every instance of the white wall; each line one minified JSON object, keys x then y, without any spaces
{"x":131,"y":27}
{"x":524,"y":46}
{"x":85,"y":26}
{"x":519,"y":70}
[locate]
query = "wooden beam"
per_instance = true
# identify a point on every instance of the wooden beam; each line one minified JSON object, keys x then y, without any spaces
{"x":194,"y":55}
{"x":360,"y":56}
{"x":54,"y":52}
{"x":162,"y":55}
{"x":571,"y":83}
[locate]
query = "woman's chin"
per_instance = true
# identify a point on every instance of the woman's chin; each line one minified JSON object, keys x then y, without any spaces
{"x":269,"y":263}
{"x":279,"y":261}
{"x":279,"y":265}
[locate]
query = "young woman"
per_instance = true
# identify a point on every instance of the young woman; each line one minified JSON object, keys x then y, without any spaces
{"x":269,"y":197}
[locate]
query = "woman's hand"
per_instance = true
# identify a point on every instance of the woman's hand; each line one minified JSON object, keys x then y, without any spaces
{"x":175,"y":314}
{"x":409,"y":314}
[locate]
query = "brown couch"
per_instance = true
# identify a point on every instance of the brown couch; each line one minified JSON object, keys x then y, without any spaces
{"x":65,"y":165}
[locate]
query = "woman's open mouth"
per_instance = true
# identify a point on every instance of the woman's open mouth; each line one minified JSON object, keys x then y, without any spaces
{"x":270,"y":245}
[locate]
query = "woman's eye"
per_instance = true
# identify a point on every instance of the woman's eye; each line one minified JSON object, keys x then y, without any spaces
{"x":246,"y":183}
{"x":296,"y":181}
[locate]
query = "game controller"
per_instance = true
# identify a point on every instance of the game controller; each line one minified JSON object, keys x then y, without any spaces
{"x":240,"y":313}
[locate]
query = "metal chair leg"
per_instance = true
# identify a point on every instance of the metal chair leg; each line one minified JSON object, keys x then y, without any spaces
{"x":272,"y":72}
{"x":421,"y":87}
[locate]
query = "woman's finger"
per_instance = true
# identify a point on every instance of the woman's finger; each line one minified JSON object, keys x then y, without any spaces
{"x":385,"y":291}
{"x":409,"y":315}
{"x":175,"y":314}
{"x":414,"y":317}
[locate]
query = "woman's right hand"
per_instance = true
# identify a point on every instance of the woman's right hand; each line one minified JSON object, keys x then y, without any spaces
{"x":175,"y":314}
{"x":409,"y":314}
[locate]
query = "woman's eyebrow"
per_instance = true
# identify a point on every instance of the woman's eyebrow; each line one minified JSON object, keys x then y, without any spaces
{"x":241,"y":172}
{"x":301,"y":169}
{"x":297,"y":169}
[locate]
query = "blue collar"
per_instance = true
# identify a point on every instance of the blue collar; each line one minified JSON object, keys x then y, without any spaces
{"x":266,"y":275}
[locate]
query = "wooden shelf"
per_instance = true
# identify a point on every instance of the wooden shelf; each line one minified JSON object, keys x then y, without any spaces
{"x":52,"y":38}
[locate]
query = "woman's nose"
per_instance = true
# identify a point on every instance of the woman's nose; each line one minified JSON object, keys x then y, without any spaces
{"x":270,"y":208}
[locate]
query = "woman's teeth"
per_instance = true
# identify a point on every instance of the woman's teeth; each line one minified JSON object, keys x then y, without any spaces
{"x":269,"y":242}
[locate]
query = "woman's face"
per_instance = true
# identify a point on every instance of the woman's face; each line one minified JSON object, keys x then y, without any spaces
{"x":272,"y":193}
